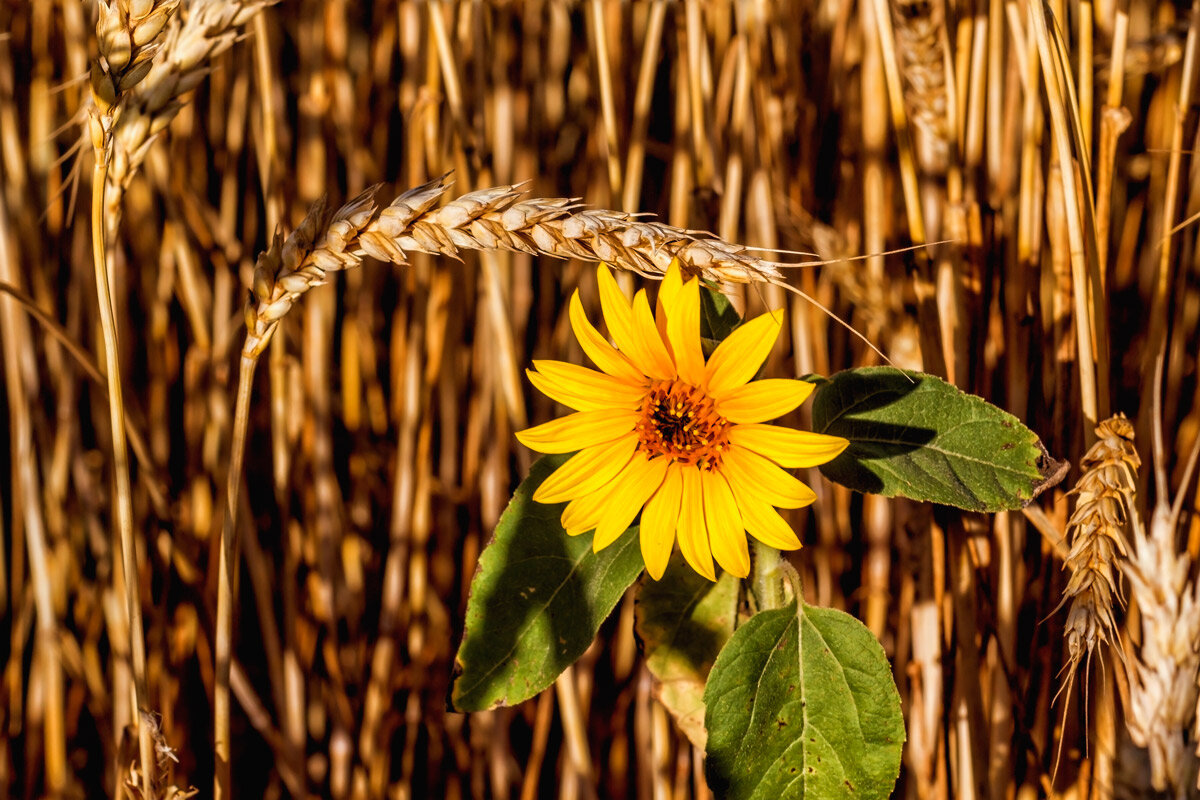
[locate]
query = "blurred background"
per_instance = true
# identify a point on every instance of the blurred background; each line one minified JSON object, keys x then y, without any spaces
{"x":380,"y":449}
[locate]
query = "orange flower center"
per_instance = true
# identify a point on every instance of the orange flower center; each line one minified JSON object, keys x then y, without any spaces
{"x":681,"y":422}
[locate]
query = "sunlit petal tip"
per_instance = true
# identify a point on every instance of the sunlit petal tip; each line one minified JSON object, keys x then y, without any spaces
{"x":657,"y":534}
{"x":692,"y":531}
{"x":655,"y":571}
{"x":597,"y":348}
{"x":762,"y":400}
{"x":587,"y":471}
{"x":579,"y":430}
{"x":726,"y":533}
{"x":674,"y":271}
{"x":786,"y":447}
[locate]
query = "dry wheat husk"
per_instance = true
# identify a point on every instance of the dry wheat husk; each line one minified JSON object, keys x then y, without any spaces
{"x":1164,"y":668}
{"x":488,"y":219}
{"x":128,"y":34}
{"x":1106,"y":493}
{"x":169,"y":68}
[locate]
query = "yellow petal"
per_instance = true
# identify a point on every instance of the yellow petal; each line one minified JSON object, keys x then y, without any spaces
{"x":736,"y":359}
{"x":787,"y":447}
{"x":762,"y":479}
{"x":586,"y":471}
{"x":627,"y":330}
{"x":726,"y":536}
{"x":650,"y":341}
{"x":637,"y":483}
{"x":577,"y":431}
{"x":763,"y":522}
{"x":760,"y":401}
{"x":583,"y":389}
{"x":602,"y":354}
{"x":672,"y":282}
{"x":658,"y":523}
{"x":692,"y":532}
{"x":683,"y":330}
{"x":583,"y":513}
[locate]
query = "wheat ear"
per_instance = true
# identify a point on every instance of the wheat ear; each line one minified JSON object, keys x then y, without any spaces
{"x":500,"y":218}
{"x":1163,"y":669}
{"x":169,"y":68}
{"x":1106,"y":493}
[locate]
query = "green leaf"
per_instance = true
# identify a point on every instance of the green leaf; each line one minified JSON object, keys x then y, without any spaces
{"x":803,"y":705}
{"x":917,"y":436}
{"x":683,"y":621}
{"x":537,"y":600}
{"x":717,"y":318}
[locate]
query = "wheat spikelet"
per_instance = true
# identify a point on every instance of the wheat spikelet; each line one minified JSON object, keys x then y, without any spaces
{"x":1163,"y":672}
{"x":1105,"y":494}
{"x":206,"y":29}
{"x":488,"y":219}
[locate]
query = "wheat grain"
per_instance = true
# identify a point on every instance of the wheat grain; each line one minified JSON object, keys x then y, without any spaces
{"x":488,"y":219}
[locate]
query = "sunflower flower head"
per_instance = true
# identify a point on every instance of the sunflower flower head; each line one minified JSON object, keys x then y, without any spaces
{"x":661,"y":430}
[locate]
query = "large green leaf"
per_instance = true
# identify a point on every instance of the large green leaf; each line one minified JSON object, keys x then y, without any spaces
{"x":917,"y":436}
{"x":537,"y":600}
{"x":802,"y":705}
{"x":683,"y":621}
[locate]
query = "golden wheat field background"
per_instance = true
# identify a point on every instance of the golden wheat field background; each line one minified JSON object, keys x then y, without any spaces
{"x":1045,"y":153}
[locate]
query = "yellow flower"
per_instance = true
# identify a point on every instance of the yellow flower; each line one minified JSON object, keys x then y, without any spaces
{"x":663,"y":431}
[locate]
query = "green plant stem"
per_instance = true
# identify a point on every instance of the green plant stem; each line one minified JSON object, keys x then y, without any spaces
{"x":226,"y":584}
{"x":124,"y":495}
{"x":766,"y":576}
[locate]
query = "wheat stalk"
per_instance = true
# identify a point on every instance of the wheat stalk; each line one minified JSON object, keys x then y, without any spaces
{"x":128,"y":33}
{"x":148,"y":60}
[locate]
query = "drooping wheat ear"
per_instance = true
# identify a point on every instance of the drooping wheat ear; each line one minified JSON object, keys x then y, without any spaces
{"x":488,"y":219}
{"x":1164,"y":668}
{"x":206,"y":29}
{"x":1105,"y":493}
{"x":129,"y":33}
{"x":920,"y":30}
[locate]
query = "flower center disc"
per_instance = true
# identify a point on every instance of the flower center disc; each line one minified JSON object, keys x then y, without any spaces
{"x":681,"y":422}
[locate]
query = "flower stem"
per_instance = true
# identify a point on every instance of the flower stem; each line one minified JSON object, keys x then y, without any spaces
{"x":767,"y":576}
